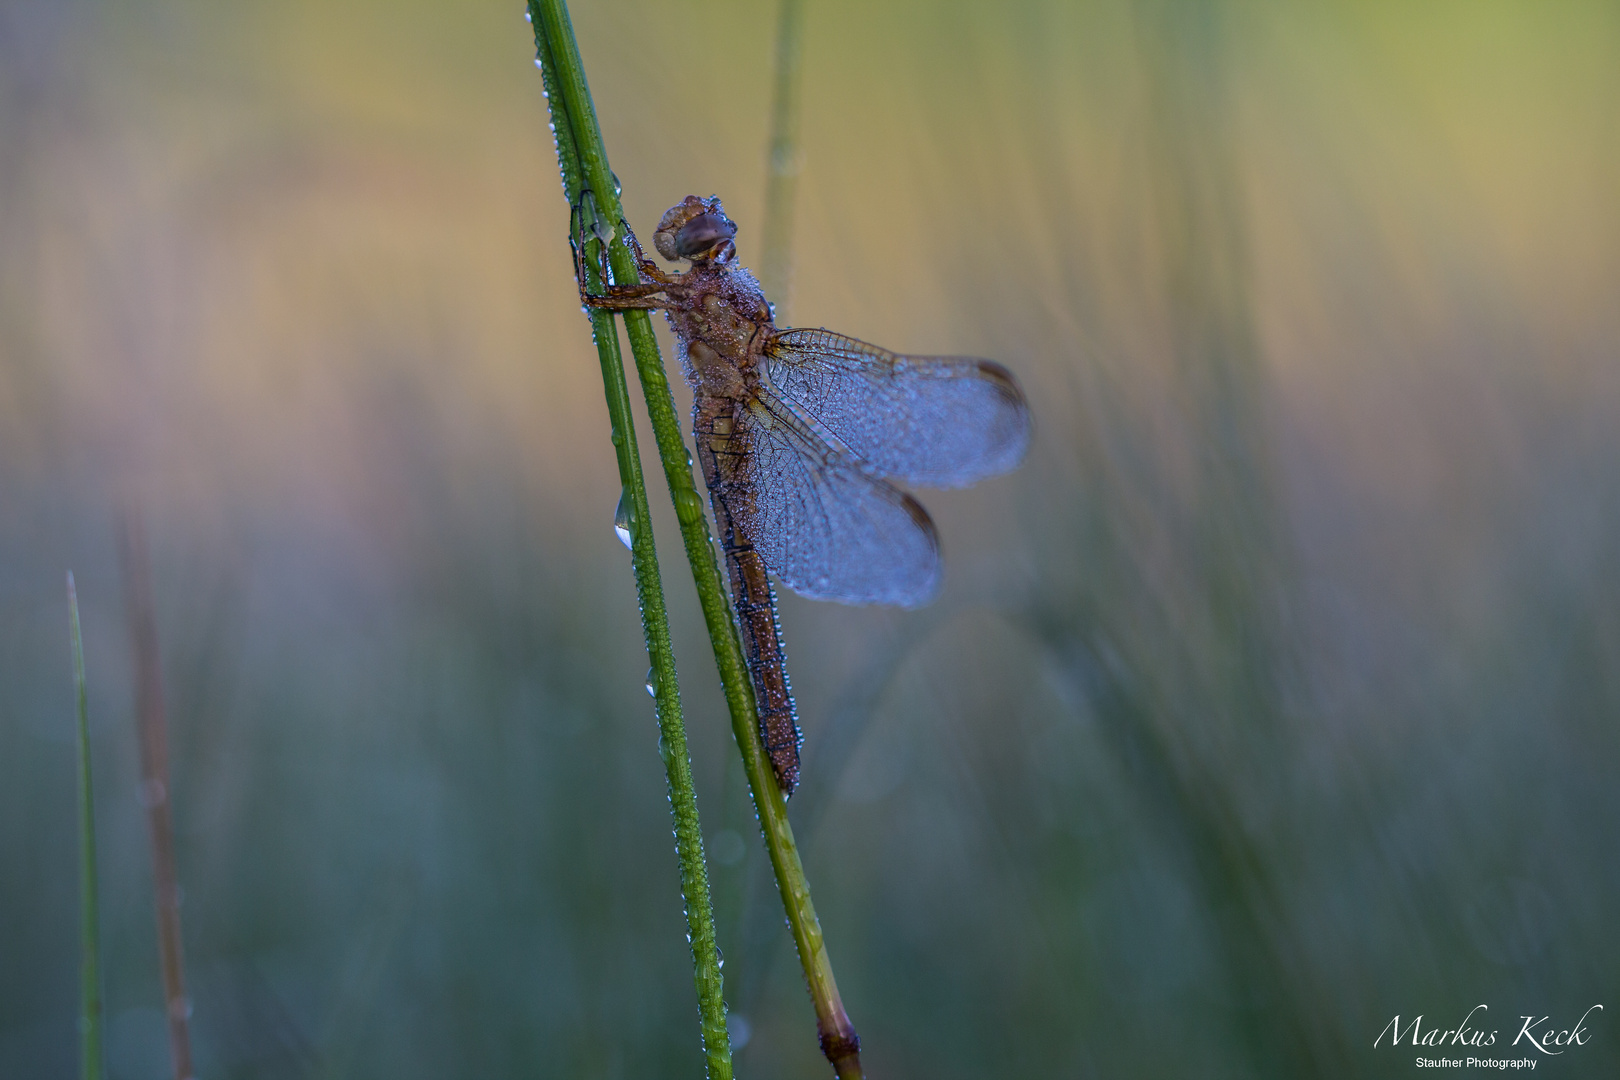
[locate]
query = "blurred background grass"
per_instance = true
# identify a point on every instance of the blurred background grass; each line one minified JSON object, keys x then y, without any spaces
{"x":1274,"y":696}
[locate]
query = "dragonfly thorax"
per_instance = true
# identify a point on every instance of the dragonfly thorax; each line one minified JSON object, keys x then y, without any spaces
{"x":722,"y":319}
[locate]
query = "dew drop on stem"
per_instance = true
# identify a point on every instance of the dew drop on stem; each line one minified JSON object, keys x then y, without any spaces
{"x":688,"y":506}
{"x":624,"y":520}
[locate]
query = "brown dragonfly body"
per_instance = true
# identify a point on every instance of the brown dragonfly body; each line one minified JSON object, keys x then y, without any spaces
{"x":799,"y":432}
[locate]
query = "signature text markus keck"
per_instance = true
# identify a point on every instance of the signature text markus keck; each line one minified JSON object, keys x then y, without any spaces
{"x":1537,"y":1035}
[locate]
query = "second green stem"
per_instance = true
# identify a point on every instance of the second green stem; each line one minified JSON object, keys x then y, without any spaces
{"x":837,"y":1034}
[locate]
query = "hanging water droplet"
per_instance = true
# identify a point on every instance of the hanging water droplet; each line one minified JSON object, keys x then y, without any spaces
{"x":624,"y":520}
{"x":618,"y":188}
{"x":652,"y":683}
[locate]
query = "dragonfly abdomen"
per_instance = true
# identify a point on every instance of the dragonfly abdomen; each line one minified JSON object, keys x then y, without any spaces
{"x":751,"y":592}
{"x":767,"y":661}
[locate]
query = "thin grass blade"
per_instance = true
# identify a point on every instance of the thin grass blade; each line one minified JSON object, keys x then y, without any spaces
{"x":153,"y":735}
{"x":92,"y":1064}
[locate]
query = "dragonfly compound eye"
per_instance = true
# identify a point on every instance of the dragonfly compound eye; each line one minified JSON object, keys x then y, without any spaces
{"x":693,"y":229}
{"x":702,"y":233}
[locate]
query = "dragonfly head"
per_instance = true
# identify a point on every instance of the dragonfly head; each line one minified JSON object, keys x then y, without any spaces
{"x":696,"y":229}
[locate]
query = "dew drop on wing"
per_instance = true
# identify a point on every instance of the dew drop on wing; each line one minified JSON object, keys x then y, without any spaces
{"x":623,"y":520}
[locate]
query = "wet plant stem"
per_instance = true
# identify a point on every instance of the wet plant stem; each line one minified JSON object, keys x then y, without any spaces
{"x":585,"y":165}
{"x":90,"y":1013}
{"x":672,"y":744}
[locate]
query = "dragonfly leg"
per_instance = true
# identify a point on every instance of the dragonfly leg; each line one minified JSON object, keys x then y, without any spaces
{"x":576,"y":244}
{"x":647,"y":267}
{"x":627,"y":298}
{"x":579,"y":237}
{"x":641,"y":296}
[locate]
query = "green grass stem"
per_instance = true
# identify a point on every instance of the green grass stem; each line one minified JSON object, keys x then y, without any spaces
{"x":585,"y":166}
{"x":90,"y":1011}
{"x":574,"y":118}
{"x":782,"y":163}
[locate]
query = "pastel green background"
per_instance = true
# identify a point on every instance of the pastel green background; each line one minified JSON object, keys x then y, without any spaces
{"x":1275,"y":695}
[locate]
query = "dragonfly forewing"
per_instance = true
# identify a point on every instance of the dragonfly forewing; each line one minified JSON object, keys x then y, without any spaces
{"x":938,"y":421}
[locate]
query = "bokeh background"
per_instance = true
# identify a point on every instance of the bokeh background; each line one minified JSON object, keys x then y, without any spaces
{"x":1275,"y":695}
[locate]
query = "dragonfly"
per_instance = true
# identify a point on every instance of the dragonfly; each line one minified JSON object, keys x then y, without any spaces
{"x":802,"y":435}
